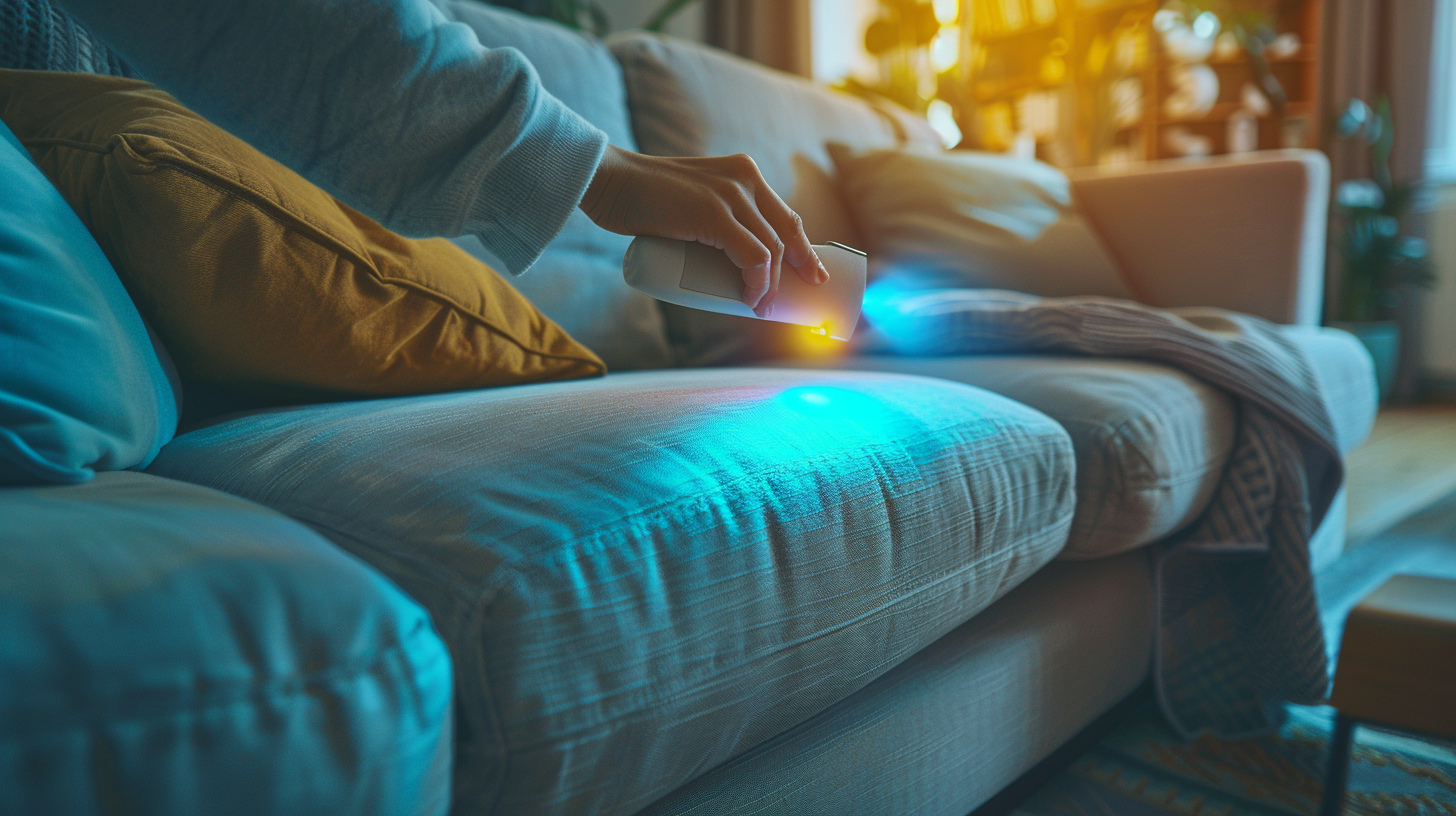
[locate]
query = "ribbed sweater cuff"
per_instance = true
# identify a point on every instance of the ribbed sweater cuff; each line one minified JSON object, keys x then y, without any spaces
{"x":528,"y":195}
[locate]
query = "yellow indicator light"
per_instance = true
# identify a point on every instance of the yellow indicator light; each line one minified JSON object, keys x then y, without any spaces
{"x":822,"y":330}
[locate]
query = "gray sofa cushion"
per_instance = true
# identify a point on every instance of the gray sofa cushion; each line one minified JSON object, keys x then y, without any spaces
{"x":687,"y":99}
{"x":956,"y":723}
{"x":166,"y":649}
{"x":578,"y":280}
{"x":670,"y":567}
{"x":1151,"y":441}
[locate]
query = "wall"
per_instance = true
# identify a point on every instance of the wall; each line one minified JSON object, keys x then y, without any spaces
{"x":838,"y":36}
{"x":837,"y":31}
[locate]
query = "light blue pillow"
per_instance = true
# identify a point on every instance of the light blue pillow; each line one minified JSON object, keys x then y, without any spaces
{"x":81,"y":387}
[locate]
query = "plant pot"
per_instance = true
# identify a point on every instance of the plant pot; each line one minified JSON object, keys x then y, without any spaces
{"x":1382,"y":339}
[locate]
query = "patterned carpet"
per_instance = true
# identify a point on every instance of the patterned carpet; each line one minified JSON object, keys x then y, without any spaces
{"x":1143,"y":769}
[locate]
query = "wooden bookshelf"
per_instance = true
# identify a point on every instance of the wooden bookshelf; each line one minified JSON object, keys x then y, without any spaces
{"x":1068,"y":57}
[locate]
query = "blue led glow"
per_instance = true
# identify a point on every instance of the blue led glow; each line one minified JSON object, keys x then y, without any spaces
{"x":902,"y":309}
{"x":836,"y":410}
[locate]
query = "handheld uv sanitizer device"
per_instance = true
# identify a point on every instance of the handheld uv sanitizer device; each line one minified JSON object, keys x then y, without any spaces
{"x":701,"y":277}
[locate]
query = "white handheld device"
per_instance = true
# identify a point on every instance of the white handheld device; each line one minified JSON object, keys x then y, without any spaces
{"x":701,"y":277}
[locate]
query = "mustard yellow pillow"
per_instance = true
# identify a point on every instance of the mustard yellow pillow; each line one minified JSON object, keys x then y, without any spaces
{"x":256,"y":278}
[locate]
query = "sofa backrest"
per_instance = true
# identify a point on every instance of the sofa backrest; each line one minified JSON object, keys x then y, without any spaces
{"x":687,"y":99}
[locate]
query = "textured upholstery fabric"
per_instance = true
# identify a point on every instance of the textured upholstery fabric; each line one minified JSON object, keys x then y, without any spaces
{"x":256,"y":278}
{"x":1151,"y":441}
{"x":81,"y":386}
{"x":578,"y":280}
{"x":166,"y":649}
{"x":37,"y":36}
{"x":940,"y":218}
{"x":687,"y":99}
{"x":670,"y":567}
{"x":954,"y":724}
{"x":1244,"y":232}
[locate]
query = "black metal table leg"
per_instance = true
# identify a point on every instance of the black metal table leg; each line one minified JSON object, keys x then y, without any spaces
{"x":1338,"y":768}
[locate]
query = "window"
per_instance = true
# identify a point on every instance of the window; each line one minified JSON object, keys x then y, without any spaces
{"x":1441,"y":148}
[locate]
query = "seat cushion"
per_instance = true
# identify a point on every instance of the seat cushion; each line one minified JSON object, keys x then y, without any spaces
{"x":1151,"y":441}
{"x":643,"y":576}
{"x":167,"y":649}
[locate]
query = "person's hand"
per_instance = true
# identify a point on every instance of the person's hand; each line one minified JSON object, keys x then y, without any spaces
{"x":722,"y":202}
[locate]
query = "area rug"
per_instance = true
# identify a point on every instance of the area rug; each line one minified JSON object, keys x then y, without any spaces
{"x":1143,"y":769}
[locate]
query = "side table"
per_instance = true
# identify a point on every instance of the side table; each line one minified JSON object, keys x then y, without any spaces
{"x":1397,"y":669}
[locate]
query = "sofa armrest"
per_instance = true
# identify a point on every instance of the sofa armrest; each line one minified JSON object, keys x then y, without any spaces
{"x":1245,"y":233}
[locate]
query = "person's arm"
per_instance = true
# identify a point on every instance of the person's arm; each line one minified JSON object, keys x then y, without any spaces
{"x":385,"y":104}
{"x":405,"y":116}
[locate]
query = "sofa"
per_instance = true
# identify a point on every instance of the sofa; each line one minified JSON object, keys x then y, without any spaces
{"x":724,"y":578}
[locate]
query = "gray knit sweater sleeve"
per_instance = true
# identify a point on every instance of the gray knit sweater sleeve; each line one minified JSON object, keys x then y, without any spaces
{"x":387,"y":105}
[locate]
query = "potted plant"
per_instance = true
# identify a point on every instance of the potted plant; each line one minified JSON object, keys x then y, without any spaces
{"x":1378,"y":259}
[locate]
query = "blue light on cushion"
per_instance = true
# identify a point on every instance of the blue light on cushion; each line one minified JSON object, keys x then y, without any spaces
{"x":81,"y":388}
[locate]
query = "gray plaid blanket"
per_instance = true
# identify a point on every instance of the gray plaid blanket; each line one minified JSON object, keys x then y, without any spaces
{"x":1238,"y":631}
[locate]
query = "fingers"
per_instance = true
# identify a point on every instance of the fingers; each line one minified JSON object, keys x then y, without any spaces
{"x":798,"y":252}
{"x":760,"y":265}
{"x":723,"y":202}
{"x":748,"y":216}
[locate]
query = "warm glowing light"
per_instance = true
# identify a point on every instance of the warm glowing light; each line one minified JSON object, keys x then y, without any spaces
{"x":945,"y":49}
{"x":946,"y":11}
{"x":816,"y":341}
{"x":1205,"y":25}
{"x":941,"y":117}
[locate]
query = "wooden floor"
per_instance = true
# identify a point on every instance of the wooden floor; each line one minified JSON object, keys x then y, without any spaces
{"x":1407,"y":464}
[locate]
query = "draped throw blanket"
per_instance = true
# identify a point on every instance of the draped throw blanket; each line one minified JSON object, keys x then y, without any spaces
{"x":1238,"y":631}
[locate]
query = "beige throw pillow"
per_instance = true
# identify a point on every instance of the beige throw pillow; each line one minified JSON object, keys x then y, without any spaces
{"x":978,"y":220}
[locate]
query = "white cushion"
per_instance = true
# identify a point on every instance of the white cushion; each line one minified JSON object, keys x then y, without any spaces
{"x":974,"y":220}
